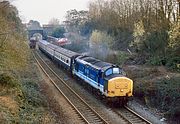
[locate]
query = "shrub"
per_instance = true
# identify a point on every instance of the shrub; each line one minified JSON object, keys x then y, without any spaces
{"x":8,"y":80}
{"x":173,"y":62}
{"x":31,"y":93}
{"x":157,"y":60}
{"x":163,"y":94}
{"x":122,"y":57}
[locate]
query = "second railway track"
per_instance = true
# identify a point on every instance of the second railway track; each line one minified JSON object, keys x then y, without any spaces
{"x":87,"y":113}
{"x":131,"y":116}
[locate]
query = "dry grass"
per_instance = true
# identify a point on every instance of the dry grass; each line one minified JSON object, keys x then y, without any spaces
{"x":23,"y":102}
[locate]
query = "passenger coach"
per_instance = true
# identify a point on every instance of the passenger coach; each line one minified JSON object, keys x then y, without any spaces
{"x":62,"y":56}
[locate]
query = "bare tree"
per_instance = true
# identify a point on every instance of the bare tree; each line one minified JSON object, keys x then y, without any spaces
{"x":54,"y":21}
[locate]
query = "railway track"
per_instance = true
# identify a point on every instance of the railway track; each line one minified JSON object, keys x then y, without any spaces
{"x":86,"y":113}
{"x":131,"y":116}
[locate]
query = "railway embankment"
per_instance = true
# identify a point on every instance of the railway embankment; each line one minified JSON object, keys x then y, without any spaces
{"x":158,"y":89}
{"x":21,"y":97}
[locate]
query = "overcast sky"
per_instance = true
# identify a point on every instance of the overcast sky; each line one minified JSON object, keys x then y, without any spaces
{"x":44,"y":10}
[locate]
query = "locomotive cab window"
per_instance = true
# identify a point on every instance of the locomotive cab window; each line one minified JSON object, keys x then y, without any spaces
{"x":108,"y":72}
{"x":112,"y":71}
{"x":116,"y":71}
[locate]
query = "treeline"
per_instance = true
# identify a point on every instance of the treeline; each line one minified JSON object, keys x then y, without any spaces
{"x":150,"y":27}
{"x":13,"y":45}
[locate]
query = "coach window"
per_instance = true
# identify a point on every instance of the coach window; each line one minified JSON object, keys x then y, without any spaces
{"x":67,"y":61}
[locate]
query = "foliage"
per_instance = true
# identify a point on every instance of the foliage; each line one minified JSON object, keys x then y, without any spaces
{"x":13,"y":48}
{"x":157,"y":60}
{"x":31,"y":93}
{"x":162,"y":94}
{"x":173,"y":62}
{"x":21,"y":102}
{"x":58,"y":32}
{"x":153,"y":24}
{"x":32,"y":25}
{"x":122,"y":57}
{"x":7,"y":80}
{"x":174,"y":37}
{"x":77,"y":21}
{"x":167,"y":96}
{"x":100,"y":42}
{"x":151,"y":42}
{"x":139,"y":35}
{"x":98,"y":38}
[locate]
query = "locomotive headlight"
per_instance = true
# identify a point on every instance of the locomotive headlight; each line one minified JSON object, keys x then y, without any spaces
{"x":121,"y":90}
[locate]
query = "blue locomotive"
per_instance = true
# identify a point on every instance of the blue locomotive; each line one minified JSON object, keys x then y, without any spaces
{"x":105,"y":78}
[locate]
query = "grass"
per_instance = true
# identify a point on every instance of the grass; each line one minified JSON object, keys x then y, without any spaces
{"x":21,"y":100}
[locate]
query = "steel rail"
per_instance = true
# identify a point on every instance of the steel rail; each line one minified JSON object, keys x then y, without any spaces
{"x":130,"y":116}
{"x":84,"y":118}
{"x":144,"y":119}
{"x":59,"y":89}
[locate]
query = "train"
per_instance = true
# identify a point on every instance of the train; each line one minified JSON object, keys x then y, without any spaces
{"x":58,"y":41}
{"x":105,"y":78}
{"x":32,"y":43}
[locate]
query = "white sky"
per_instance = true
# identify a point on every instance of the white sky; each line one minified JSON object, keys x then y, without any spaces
{"x":44,"y":10}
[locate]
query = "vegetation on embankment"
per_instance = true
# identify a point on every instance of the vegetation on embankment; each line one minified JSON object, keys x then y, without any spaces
{"x":157,"y":88}
{"x":20,"y":98}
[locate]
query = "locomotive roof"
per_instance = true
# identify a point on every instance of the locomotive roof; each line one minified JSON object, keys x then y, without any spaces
{"x":98,"y":64}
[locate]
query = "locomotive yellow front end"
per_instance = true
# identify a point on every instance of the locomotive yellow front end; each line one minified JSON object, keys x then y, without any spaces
{"x":120,"y":87}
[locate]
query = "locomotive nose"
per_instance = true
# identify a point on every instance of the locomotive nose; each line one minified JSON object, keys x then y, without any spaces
{"x":120,"y":86}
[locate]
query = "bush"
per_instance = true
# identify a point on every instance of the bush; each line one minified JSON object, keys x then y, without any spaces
{"x":168,"y":96}
{"x":157,"y":60}
{"x":170,"y":61}
{"x":173,"y":62}
{"x":163,"y":94}
{"x":8,"y":80}
{"x":122,"y":57}
{"x":31,"y":93}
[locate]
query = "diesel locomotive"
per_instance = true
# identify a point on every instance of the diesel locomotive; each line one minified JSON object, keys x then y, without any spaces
{"x":106,"y":78}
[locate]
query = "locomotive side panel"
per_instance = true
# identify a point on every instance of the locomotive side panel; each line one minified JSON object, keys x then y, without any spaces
{"x":88,"y":74}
